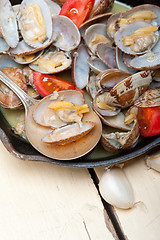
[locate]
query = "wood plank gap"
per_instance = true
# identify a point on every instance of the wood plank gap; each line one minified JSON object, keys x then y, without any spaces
{"x":115,"y":226}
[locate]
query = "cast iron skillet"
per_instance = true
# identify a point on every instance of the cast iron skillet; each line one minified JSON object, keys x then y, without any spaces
{"x":23,"y":150}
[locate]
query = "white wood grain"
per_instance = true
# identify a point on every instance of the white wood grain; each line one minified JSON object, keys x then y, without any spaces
{"x":40,"y":201}
{"x":143,"y":220}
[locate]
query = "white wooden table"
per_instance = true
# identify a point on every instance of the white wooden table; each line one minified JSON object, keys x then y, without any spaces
{"x":41,"y":201}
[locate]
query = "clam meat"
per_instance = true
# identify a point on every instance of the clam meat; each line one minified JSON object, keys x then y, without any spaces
{"x":35,"y":22}
{"x":62,"y":107}
{"x":51,"y":61}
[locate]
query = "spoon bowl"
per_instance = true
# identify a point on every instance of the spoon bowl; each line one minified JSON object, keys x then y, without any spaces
{"x":35,"y":132}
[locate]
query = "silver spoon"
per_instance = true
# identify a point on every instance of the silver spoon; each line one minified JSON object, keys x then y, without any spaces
{"x":36,"y":132}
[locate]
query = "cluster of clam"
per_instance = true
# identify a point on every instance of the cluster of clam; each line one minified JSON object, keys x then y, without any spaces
{"x":114,"y":56}
{"x":36,"y":35}
{"x":33,"y":37}
{"x":122,"y":52}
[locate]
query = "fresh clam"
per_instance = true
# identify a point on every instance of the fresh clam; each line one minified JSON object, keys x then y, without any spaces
{"x":96,"y":34}
{"x":51,"y":61}
{"x":136,"y":38}
{"x":46,"y":116}
{"x":35,"y":22}
{"x":109,"y":142}
{"x":25,"y":58}
{"x":130,"y":89}
{"x":135,"y":32}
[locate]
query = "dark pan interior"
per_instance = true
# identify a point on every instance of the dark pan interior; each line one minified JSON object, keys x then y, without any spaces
{"x":23,"y":150}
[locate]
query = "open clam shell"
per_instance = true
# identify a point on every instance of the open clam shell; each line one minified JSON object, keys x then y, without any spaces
{"x":101,"y":108}
{"x":121,"y":63}
{"x":69,"y":133}
{"x":130,"y":139}
{"x":149,"y":60}
{"x":107,"y":54}
{"x":96,"y":34}
{"x":24,"y":49}
{"x":100,"y":76}
{"x":9,"y":28}
{"x":144,"y":44}
{"x":45,"y":116}
{"x":96,"y":64}
{"x":80,"y":67}
{"x":110,"y":143}
{"x":52,"y":61}
{"x":35,"y":33}
{"x":68,"y":35}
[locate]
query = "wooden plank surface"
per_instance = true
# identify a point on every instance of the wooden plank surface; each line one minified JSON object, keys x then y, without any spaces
{"x":143,"y":220}
{"x":41,"y":201}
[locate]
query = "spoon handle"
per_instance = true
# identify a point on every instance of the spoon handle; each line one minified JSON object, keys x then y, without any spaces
{"x":23,"y":96}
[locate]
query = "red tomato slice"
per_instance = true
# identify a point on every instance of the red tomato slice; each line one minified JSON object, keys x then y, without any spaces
{"x":77,"y":10}
{"x":149,"y":121}
{"x":47,"y":84}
